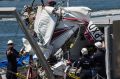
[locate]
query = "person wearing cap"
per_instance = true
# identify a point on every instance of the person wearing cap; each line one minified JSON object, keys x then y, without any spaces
{"x":12,"y":55}
{"x":99,"y":59}
{"x":85,"y":63}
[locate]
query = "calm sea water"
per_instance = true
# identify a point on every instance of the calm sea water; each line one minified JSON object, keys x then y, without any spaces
{"x":10,"y":29}
{"x":93,"y":4}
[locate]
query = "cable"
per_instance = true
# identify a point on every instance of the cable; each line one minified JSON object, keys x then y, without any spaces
{"x":17,"y":74}
{"x":42,"y":3}
{"x":32,"y":3}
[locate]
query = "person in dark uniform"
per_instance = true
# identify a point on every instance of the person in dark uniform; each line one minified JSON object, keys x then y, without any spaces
{"x":12,"y":55}
{"x":85,"y":63}
{"x":99,"y":59}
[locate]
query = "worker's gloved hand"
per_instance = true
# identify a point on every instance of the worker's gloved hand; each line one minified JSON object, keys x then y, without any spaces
{"x":9,"y":52}
{"x":68,"y":62}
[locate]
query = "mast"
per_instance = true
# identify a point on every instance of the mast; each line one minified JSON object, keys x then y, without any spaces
{"x":68,"y":3}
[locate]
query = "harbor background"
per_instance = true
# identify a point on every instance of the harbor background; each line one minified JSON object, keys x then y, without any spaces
{"x":10,"y":30}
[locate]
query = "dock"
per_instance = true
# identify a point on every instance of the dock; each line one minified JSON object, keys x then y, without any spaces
{"x":105,"y":20}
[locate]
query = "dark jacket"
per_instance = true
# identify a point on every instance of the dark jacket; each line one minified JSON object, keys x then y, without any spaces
{"x":12,"y":63}
{"x":99,"y":62}
{"x":84,"y":62}
{"x":12,"y":57}
{"x":99,"y":58}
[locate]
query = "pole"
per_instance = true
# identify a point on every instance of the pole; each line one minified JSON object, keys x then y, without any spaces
{"x":108,"y":47}
{"x":115,"y":55}
{"x":68,"y":3}
{"x":35,"y":47}
{"x":32,"y":3}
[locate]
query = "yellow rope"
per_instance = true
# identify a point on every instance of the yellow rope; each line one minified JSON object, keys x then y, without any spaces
{"x":20,"y":76}
{"x":72,"y":75}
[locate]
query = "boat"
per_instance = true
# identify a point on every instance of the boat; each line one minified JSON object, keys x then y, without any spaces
{"x":54,"y":30}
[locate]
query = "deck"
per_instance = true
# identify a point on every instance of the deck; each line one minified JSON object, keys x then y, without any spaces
{"x":105,"y":19}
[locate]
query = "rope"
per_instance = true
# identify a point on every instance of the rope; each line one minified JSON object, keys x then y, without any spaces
{"x":32,"y":3}
{"x":17,"y":74}
{"x":72,"y":44}
{"x":42,"y":3}
{"x":72,"y":75}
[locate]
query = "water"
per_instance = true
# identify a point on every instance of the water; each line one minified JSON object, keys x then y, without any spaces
{"x":10,"y":29}
{"x":97,"y":4}
{"x":93,"y":4}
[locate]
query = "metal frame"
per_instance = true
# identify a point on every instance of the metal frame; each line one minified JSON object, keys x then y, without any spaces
{"x":108,"y":44}
{"x":35,"y":46}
